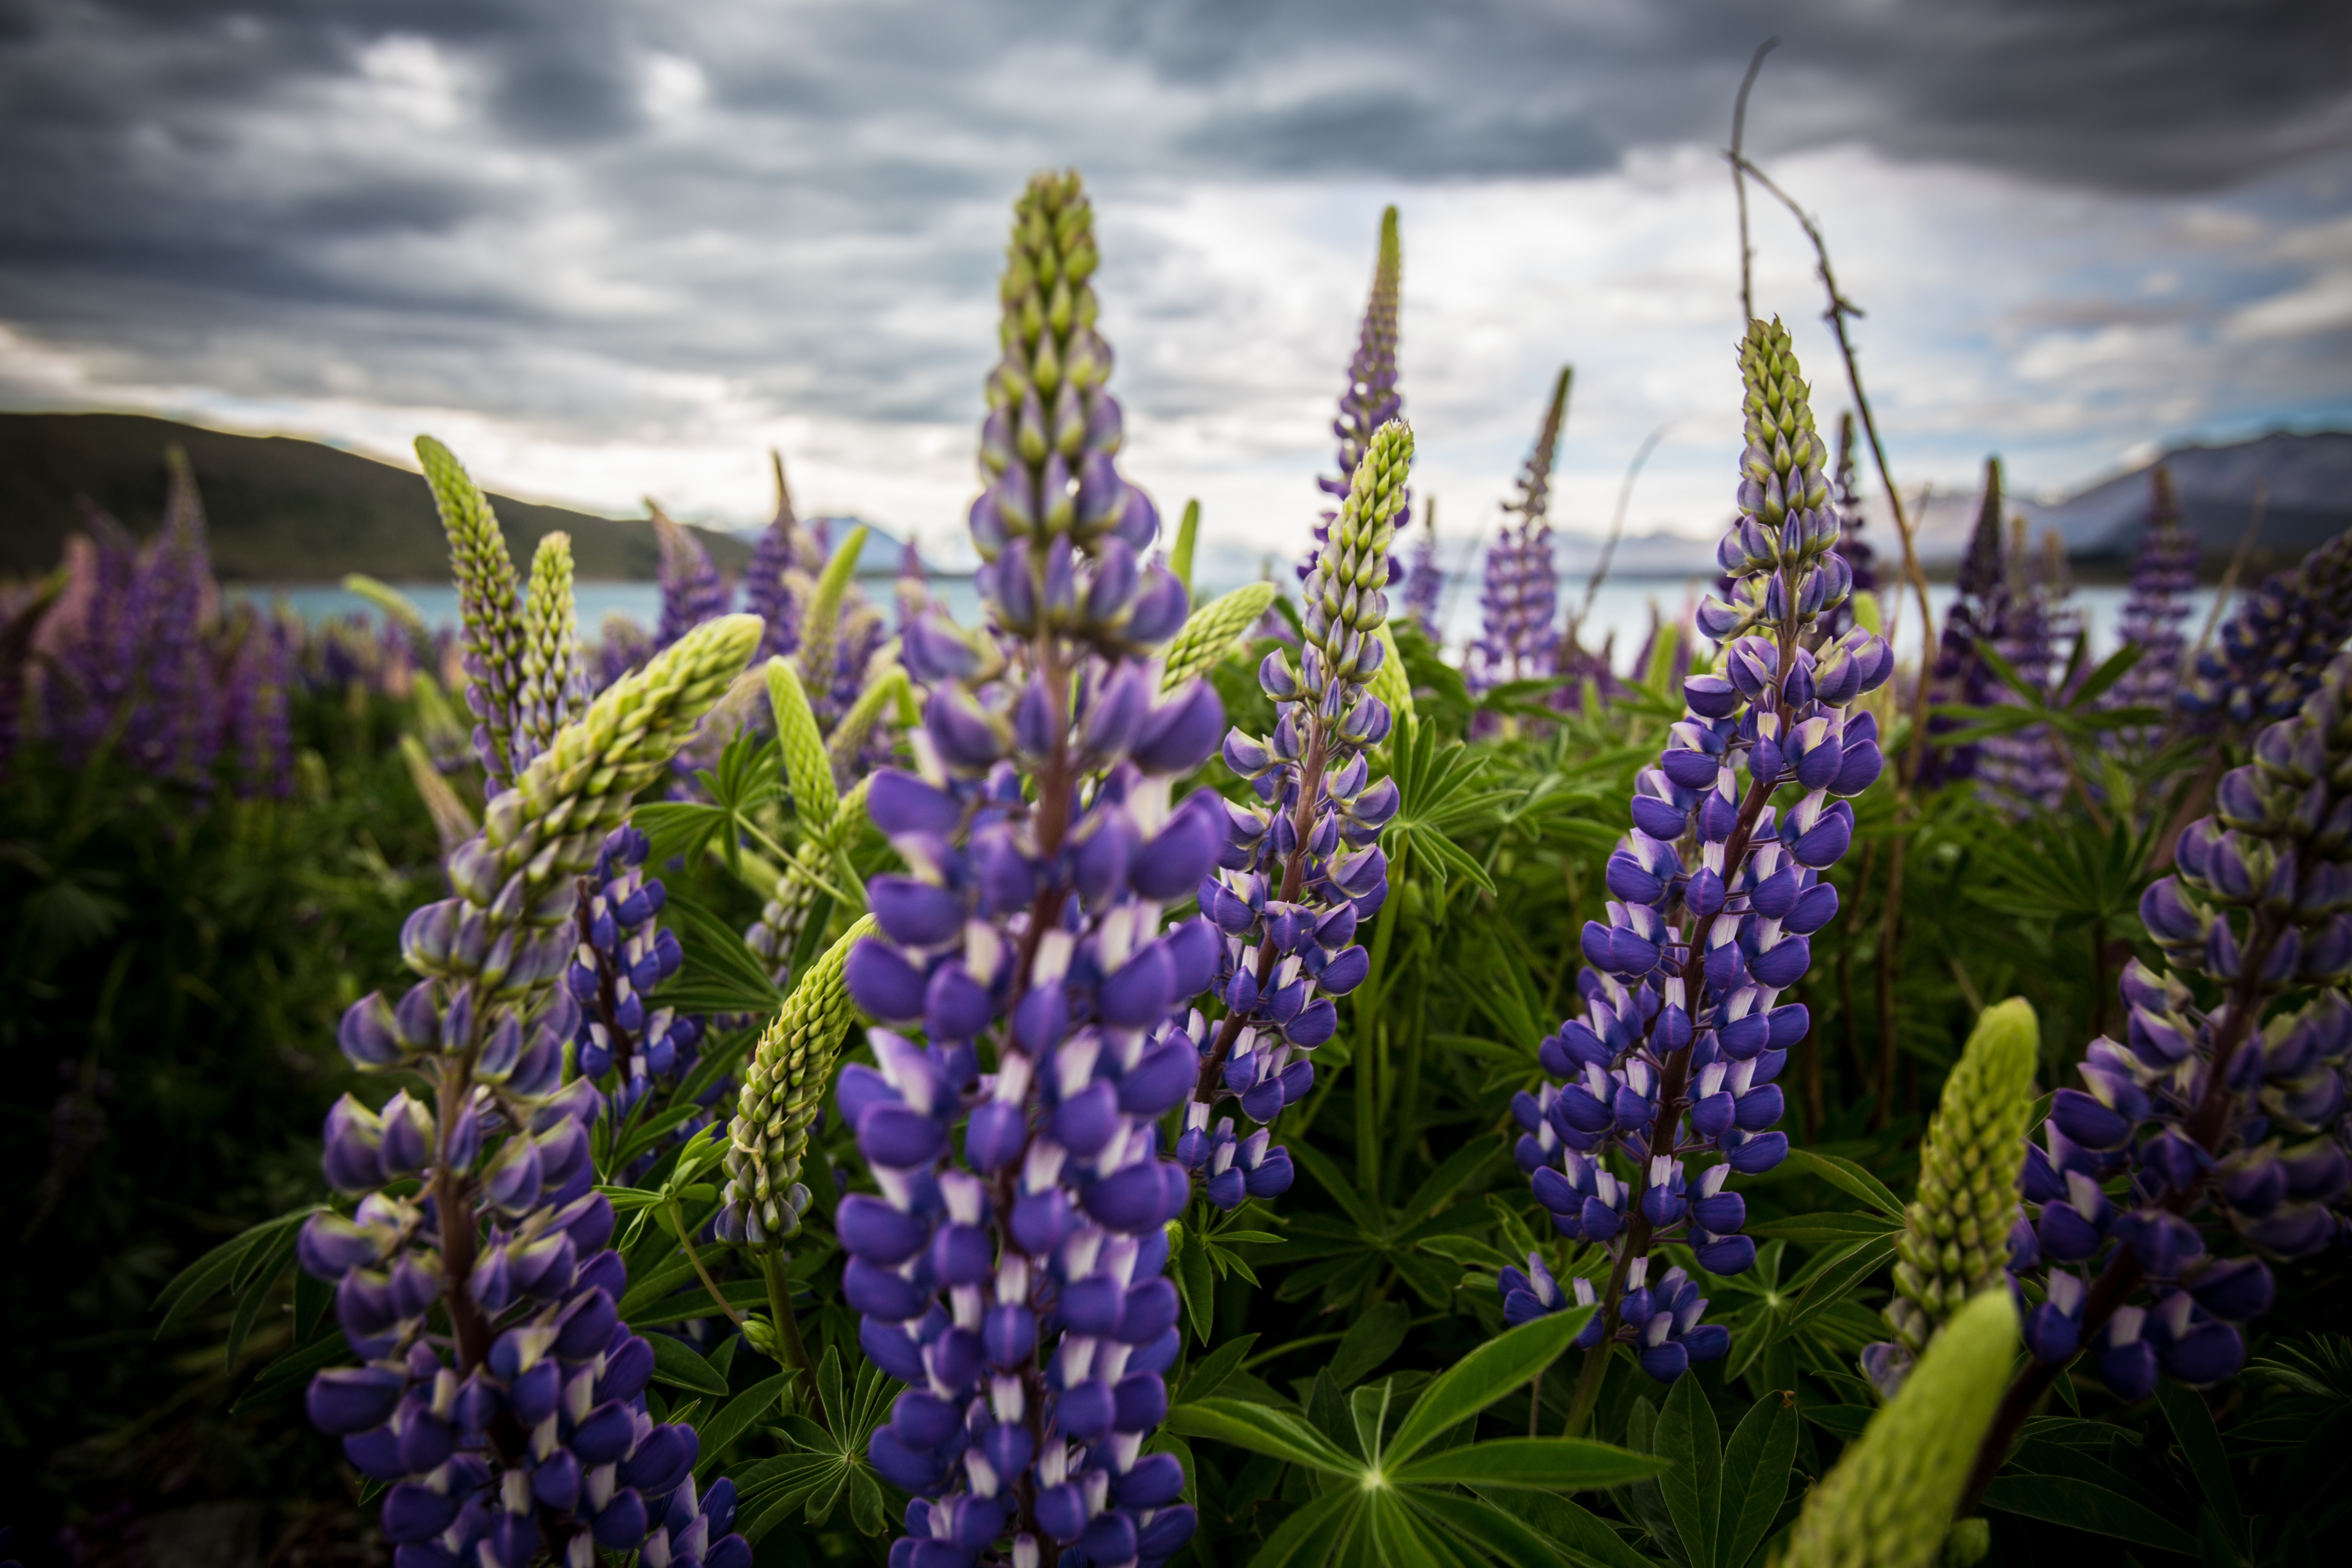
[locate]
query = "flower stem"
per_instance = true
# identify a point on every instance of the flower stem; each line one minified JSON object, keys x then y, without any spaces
{"x":788,"y":1329}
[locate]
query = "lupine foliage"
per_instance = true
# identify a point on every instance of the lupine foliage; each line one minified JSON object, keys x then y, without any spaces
{"x":1443,"y":1123}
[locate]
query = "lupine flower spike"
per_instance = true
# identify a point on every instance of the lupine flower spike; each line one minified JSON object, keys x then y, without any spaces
{"x":2020,"y":771}
{"x":1014,"y":1277}
{"x":1425,"y":582}
{"x":1955,"y":1242}
{"x":553,"y":687}
{"x":1713,"y":897}
{"x":691,"y":590}
{"x":2164,"y":574}
{"x":1888,"y":1503}
{"x":1860,"y":559}
{"x":780,"y":561}
{"x":2221,"y":1120}
{"x":1519,"y":639}
{"x":1976,"y":615}
{"x":522,"y":1427}
{"x":1370,"y":399}
{"x":489,"y":604}
{"x":1300,"y":871}
{"x":2276,"y":644}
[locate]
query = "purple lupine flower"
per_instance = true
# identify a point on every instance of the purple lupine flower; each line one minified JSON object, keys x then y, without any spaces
{"x":23,"y":616}
{"x":1860,"y":559}
{"x":174,"y":727}
{"x":913,"y":587}
{"x":625,"y":646}
{"x":1299,"y":874}
{"x":2277,"y":644}
{"x":2021,"y":771}
{"x":776,"y":587}
{"x":1519,"y":637}
{"x":627,"y":1041}
{"x":1370,"y":399}
{"x":1713,"y":897}
{"x":501,"y":1398}
{"x":1425,"y":582}
{"x":2223,"y":1121}
{"x":257,"y":709}
{"x":1978,"y":616}
{"x":93,"y":638}
{"x":2164,"y":574}
{"x":691,"y":592}
{"x":1015,"y":1277}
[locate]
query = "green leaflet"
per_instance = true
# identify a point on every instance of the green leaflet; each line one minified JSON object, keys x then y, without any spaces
{"x":1211,"y":633}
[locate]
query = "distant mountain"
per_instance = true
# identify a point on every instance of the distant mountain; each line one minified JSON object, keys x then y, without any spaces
{"x":280,"y":510}
{"x":2307,"y":479}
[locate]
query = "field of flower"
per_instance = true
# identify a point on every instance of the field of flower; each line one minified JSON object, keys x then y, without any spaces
{"x":1135,"y":1081}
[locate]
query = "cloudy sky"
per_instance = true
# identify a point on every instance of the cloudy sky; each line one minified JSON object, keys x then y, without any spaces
{"x":607,"y":249}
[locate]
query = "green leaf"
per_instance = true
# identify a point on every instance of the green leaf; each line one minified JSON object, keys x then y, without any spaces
{"x":1834,"y":1283}
{"x":1369,"y":1340}
{"x":1547,"y":1463}
{"x":1755,"y":1477}
{"x":1570,"y":1528}
{"x":1820,"y":1228}
{"x":1262,"y":1430}
{"x":737,"y":1416}
{"x":1215,"y":1368}
{"x":675,"y":1363}
{"x":1332,"y":1180}
{"x":697,"y":1303}
{"x":2191,"y":1421}
{"x":1449,"y":1178}
{"x":1484,"y":1375}
{"x":2079,"y":1505}
{"x":1497,"y":1533}
{"x":1844,"y":1173}
{"x":1196,"y":1282}
{"x":1311,"y":1535}
{"x":200,"y":1280}
{"x":721,"y":974}
{"x":1689,"y":1440}
{"x":292,"y":1372}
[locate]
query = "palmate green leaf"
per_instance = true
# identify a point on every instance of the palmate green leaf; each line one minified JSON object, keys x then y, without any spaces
{"x":2080,"y":1505}
{"x":1212,"y":1369}
{"x":1840,"y":1279}
{"x":1484,"y":1375}
{"x":290,"y":1374}
{"x":1686,"y":1438}
{"x":1844,"y":1173}
{"x":2191,"y":1421}
{"x":218,"y":1270}
{"x":1814,"y":1228}
{"x":685,"y":1309}
{"x":1342,"y":1188}
{"x":737,"y":1417}
{"x":721,"y":975}
{"x":1196,"y":1284}
{"x":1369,"y":1343}
{"x":1262,"y":1430}
{"x":1315,"y":1534}
{"x":675,"y":1363}
{"x":1494,"y":1533}
{"x":1451,"y":1174}
{"x":1569,"y":1529}
{"x":1547,"y":1463}
{"x":1755,"y":1477}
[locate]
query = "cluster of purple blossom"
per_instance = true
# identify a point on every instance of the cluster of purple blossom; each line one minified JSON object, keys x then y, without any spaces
{"x":1518,"y":602}
{"x":1015,"y":1277}
{"x":2218,"y":1119}
{"x":1714,"y":895}
{"x":136,"y":656}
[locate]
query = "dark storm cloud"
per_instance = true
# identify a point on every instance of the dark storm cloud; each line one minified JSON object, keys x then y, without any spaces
{"x":262,"y":198}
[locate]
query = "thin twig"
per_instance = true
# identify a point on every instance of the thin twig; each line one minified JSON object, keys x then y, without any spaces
{"x":1840,"y":309}
{"x":1617,"y":524}
{"x":2228,"y":578}
{"x":677,"y":1223}
{"x":1739,"y":180}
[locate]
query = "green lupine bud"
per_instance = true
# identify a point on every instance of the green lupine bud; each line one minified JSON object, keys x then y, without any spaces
{"x":1211,"y":633}
{"x":1345,"y":604}
{"x":1188,"y":533}
{"x":553,"y":683}
{"x":1889,"y":1502}
{"x":784,"y":1086}
{"x":821,"y":628}
{"x":1955,"y":1243}
{"x":847,"y":741}
{"x":818,"y":859}
{"x":488,"y":602}
{"x":548,"y":827}
{"x":806,"y":767}
{"x":1782,"y":445}
{"x":1390,"y":682}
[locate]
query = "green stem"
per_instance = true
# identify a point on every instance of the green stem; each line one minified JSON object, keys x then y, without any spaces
{"x":677,"y":1223}
{"x":1371,"y":1053}
{"x":788,"y":1328}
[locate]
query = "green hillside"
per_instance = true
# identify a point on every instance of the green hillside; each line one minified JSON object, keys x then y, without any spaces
{"x":281,"y":509}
